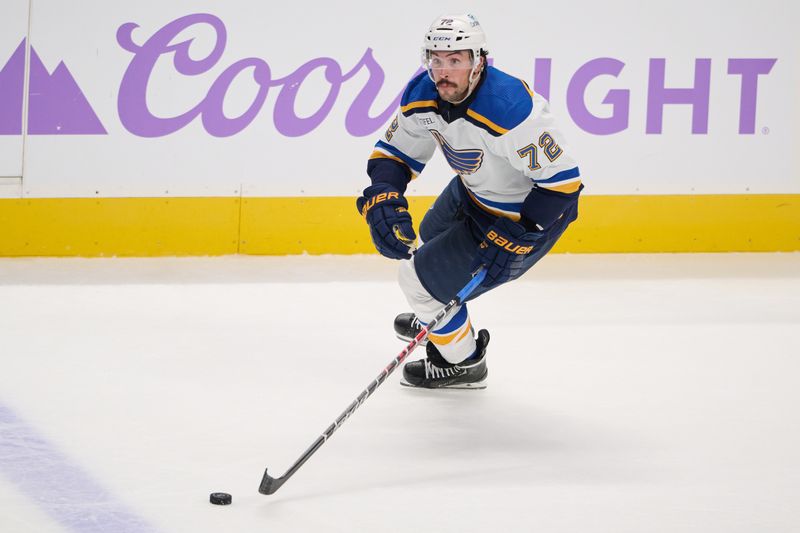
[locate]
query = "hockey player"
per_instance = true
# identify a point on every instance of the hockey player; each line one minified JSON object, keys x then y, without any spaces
{"x":515,"y":192}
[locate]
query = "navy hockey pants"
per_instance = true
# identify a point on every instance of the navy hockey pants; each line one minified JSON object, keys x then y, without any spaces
{"x":450,"y":243}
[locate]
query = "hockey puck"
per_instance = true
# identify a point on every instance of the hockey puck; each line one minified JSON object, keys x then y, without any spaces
{"x":220,"y":498}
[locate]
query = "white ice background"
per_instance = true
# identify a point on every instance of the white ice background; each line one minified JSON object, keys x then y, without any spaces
{"x":627,"y":393}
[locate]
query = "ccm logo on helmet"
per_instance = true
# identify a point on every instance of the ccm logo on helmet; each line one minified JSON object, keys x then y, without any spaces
{"x":507,"y":245}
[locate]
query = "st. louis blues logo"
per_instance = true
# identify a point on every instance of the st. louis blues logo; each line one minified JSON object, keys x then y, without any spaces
{"x":464,"y":162}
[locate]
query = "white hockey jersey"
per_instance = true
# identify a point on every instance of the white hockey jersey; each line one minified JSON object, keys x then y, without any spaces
{"x":502,"y":141}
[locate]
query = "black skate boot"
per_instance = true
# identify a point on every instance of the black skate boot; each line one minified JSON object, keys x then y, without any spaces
{"x":407,"y":326}
{"x":434,"y":372}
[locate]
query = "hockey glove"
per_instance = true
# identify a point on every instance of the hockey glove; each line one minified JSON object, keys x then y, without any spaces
{"x":503,"y":251}
{"x":386,"y":211}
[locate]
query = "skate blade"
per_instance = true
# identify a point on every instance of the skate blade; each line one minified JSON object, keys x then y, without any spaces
{"x":409,"y":339}
{"x":477,"y":386}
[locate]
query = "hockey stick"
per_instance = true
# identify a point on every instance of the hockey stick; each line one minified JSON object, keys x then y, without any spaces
{"x":269,"y":484}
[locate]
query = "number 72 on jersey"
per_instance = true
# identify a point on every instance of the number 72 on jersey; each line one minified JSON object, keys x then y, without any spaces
{"x":546,"y":142}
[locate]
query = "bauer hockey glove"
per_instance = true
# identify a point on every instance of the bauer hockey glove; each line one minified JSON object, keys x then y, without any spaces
{"x":386,"y":211}
{"x":503,"y":251}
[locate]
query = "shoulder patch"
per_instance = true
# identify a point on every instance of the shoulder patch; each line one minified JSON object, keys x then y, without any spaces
{"x":502,"y":103}
{"x":420,"y":96}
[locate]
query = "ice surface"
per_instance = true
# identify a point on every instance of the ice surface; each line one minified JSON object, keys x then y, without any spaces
{"x":627,"y":393}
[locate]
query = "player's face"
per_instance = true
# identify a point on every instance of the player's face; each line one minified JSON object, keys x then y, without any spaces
{"x":451,"y":73}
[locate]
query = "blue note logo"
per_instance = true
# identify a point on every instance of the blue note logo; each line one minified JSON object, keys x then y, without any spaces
{"x":463,"y":162}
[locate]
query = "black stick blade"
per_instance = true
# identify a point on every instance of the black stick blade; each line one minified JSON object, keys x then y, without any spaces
{"x":269,"y":484}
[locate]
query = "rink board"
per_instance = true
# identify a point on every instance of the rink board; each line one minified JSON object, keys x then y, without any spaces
{"x":325,"y":225}
{"x":211,"y":128}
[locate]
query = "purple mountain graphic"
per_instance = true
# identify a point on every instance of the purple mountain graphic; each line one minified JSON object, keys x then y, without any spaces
{"x":11,"y":86}
{"x":56,"y":104}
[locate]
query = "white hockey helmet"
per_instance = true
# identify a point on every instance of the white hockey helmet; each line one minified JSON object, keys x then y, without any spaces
{"x":455,"y":32}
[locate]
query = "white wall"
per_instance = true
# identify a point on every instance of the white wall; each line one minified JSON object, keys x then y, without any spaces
{"x":13,"y":29}
{"x":264,"y":159}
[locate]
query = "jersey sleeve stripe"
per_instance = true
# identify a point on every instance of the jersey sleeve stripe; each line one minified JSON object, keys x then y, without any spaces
{"x":567,"y":188}
{"x":564,"y":175}
{"x":377,"y":154}
{"x":486,"y":122}
{"x":412,"y":163}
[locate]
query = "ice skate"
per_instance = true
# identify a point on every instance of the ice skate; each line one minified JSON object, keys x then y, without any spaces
{"x":434,"y":372}
{"x":407,"y":326}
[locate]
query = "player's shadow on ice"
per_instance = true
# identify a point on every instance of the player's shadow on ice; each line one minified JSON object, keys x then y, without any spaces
{"x":447,"y":438}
